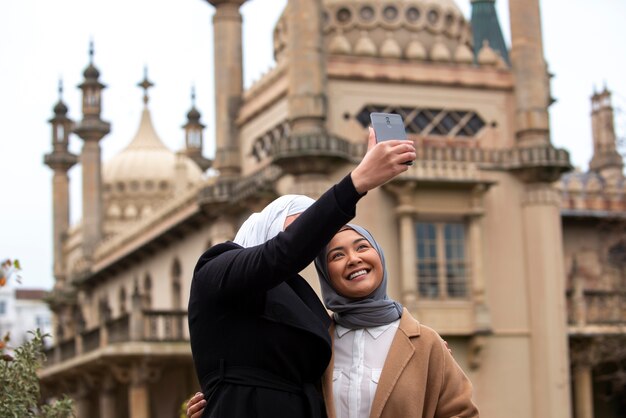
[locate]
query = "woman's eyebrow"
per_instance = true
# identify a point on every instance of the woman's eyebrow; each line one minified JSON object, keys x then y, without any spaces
{"x":341,"y":247}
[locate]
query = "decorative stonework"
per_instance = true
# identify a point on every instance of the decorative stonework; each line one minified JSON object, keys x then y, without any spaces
{"x":541,"y":194}
{"x":449,"y":123}
{"x":391,"y":29}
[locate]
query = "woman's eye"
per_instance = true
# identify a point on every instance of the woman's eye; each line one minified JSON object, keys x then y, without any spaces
{"x":335,"y":256}
{"x":362,"y":247}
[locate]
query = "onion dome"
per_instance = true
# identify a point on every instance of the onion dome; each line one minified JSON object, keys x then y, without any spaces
{"x":146,"y":173}
{"x":386,"y":27}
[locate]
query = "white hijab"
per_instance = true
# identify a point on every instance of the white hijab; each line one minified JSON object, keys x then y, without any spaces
{"x":265,"y":225}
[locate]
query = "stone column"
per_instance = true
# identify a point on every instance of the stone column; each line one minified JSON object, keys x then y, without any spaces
{"x":532,"y":84}
{"x":92,"y":196}
{"x":141,"y":374}
{"x":227,"y":46}
{"x":408,"y":256}
{"x":138,"y":394}
{"x":82,"y":406}
{"x":545,"y":277}
{"x":307,"y":70}
{"x":583,"y":388}
{"x":222,"y":230}
{"x":61,"y":221}
{"x":478,"y":289}
{"x":107,"y":397}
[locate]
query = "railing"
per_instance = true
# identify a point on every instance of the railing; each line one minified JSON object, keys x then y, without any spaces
{"x":138,"y":326}
{"x":596,"y":307}
{"x":91,"y":340}
{"x":119,"y":329}
{"x":67,"y":349}
{"x":165,"y":326}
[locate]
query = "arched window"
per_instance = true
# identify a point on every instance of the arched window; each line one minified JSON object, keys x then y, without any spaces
{"x":122,"y":301}
{"x":147,"y":291}
{"x":176,"y":285}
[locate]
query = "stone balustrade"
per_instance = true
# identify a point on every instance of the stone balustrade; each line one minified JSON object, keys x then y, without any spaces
{"x":136,"y":326}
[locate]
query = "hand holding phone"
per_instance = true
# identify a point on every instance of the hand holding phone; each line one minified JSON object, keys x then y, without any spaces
{"x":388,"y":126}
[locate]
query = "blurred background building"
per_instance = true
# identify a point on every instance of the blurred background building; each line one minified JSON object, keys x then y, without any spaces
{"x":490,"y":237}
{"x":23,"y":310}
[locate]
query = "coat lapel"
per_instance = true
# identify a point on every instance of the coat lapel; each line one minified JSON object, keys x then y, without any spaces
{"x":327,"y":379}
{"x":400,"y":353}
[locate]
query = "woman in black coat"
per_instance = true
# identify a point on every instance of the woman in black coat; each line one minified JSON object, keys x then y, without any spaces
{"x":258,"y":331}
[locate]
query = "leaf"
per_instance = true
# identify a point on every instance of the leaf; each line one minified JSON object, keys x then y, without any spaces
{"x":17,"y":265}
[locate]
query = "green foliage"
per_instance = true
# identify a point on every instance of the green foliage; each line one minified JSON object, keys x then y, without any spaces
{"x":19,"y":384}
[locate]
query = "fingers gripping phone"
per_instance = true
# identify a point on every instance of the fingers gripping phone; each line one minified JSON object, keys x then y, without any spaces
{"x":388,"y":126}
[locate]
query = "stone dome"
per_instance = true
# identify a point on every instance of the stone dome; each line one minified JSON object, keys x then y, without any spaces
{"x":390,"y":26}
{"x":145,"y":174}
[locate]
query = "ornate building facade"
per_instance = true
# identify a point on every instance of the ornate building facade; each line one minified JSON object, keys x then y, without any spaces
{"x":490,"y":239}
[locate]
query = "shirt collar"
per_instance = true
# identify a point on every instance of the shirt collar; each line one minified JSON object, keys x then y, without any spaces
{"x":375,"y":332}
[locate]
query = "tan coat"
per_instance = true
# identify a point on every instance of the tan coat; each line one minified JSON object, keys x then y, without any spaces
{"x":419,"y":379}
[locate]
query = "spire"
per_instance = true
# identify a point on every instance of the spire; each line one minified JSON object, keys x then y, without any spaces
{"x":91,"y":130}
{"x":606,"y":160}
{"x":145,"y":84}
{"x":486,"y":27}
{"x":60,"y":160}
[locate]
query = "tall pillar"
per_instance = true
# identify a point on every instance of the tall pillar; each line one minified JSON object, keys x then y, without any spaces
{"x":138,"y":394}
{"x":307,"y":70}
{"x":583,"y":388}
{"x":221,"y":230}
{"x":532,"y":84}
{"x":227,"y":47}
{"x":408,"y":254}
{"x":60,"y":160}
{"x":82,"y":405}
{"x":91,"y":129}
{"x":545,"y":277}
{"x":107,"y":397}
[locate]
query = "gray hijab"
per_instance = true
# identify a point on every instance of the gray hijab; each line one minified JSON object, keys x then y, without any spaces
{"x":372,"y":311}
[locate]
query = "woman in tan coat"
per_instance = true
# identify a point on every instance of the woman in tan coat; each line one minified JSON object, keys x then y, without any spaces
{"x":384,"y":364}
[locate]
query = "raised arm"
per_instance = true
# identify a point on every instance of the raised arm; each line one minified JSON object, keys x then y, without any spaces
{"x":231,"y":270}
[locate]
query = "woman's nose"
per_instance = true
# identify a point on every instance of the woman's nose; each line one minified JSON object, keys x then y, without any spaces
{"x":353,"y":258}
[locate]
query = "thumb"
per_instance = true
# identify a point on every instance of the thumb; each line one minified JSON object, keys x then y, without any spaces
{"x":371,"y":140}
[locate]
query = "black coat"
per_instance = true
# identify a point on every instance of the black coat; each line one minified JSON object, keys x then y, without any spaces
{"x":259,"y":334}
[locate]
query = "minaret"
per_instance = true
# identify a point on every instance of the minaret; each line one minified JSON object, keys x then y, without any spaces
{"x":532,"y":84}
{"x":606,"y":160}
{"x":486,"y":27}
{"x":307,"y":69}
{"x":228,"y":69}
{"x":193,"y":136}
{"x":60,"y":160}
{"x":541,"y":218}
{"x":91,"y":130}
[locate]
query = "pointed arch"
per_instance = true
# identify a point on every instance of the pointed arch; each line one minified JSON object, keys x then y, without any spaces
{"x":175,"y":279}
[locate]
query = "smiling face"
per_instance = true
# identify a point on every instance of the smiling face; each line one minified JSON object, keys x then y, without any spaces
{"x":354,"y":266}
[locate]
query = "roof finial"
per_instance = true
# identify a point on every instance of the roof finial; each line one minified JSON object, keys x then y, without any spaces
{"x":145,"y":85}
{"x":60,"y":89}
{"x":193,"y":95}
{"x":91,"y":48}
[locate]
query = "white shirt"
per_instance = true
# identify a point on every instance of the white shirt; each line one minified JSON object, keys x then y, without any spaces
{"x":359,"y":358}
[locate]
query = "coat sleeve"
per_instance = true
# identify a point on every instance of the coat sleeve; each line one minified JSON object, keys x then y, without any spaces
{"x":455,"y":397}
{"x":240,"y":271}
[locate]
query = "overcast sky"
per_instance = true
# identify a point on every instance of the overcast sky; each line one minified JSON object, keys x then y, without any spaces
{"x":43,"y":41}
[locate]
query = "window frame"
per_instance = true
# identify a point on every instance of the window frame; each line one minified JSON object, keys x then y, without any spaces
{"x":441,"y":260}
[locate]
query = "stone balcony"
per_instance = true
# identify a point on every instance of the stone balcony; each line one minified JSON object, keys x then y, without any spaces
{"x":591,"y":312}
{"x":141,"y":332}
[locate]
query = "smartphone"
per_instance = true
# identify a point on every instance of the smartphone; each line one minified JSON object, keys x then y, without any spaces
{"x":388,"y":126}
